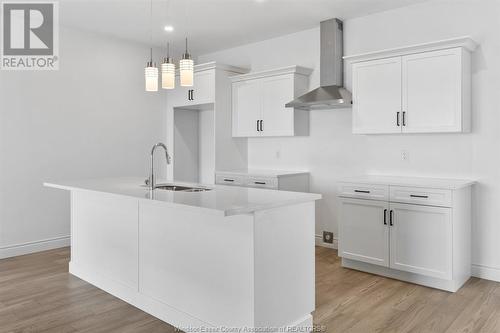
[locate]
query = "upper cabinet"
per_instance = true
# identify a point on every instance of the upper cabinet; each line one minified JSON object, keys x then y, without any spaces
{"x":202,"y":92}
{"x":418,"y":89}
{"x":258,"y":103}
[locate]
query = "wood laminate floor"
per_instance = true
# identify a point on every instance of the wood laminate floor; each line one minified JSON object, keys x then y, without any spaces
{"x":38,"y":295}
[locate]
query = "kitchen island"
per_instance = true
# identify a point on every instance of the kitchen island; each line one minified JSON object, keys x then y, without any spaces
{"x":230,"y":258}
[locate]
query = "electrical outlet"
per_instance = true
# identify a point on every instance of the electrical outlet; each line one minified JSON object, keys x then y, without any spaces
{"x":327,"y":237}
{"x":405,"y":156}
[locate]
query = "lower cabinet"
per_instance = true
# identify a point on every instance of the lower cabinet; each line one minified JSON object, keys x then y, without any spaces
{"x":411,"y":241}
{"x":365,"y":236}
{"x":274,"y":180}
{"x":420,"y":240}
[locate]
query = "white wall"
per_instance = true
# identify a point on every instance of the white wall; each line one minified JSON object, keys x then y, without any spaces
{"x":331,"y":151}
{"x":90,"y":119}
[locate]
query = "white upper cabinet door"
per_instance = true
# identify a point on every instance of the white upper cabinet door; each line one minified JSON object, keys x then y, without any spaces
{"x":376,"y":86}
{"x":421,"y":240}
{"x":432,"y":91}
{"x":247,"y":108}
{"x":202,"y":91}
{"x":277,"y":120}
{"x":364,"y":231}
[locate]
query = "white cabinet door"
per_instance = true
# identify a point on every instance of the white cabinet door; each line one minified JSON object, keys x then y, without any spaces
{"x":421,"y":240}
{"x":247,"y":108}
{"x":202,"y":91}
{"x":432,"y":91}
{"x":376,"y":87}
{"x":364,"y":231}
{"x":276,"y":92}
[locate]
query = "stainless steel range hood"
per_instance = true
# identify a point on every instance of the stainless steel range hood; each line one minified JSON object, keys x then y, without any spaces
{"x":331,"y":93}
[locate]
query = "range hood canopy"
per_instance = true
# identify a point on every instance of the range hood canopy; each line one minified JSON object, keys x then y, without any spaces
{"x":331,"y":93}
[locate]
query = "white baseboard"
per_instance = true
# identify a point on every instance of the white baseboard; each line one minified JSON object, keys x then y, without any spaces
{"x":334,"y":245}
{"x":485,"y":272}
{"x":32,"y":247}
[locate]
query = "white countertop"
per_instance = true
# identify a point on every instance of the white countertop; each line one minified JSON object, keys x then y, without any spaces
{"x":439,"y":183}
{"x":261,"y":172}
{"x":224,"y":200}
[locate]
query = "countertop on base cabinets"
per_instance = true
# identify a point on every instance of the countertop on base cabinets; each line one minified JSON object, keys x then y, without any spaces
{"x":440,"y":183}
{"x":222,"y":200}
{"x":262,"y":172}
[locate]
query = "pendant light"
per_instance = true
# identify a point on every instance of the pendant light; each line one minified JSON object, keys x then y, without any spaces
{"x":151,"y":75}
{"x":168,"y":71}
{"x":151,"y":71}
{"x":186,"y":68}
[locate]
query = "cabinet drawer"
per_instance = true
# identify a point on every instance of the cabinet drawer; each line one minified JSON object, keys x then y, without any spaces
{"x":421,"y":196}
{"x":236,"y":180}
{"x":364,"y":191}
{"x":263,"y":182}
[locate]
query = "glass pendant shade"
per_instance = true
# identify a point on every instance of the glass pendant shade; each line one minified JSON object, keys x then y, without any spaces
{"x":167,"y":75}
{"x":186,"y":68}
{"x":151,"y":76}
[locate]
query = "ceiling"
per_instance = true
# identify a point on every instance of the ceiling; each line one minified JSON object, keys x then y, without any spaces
{"x":211,"y":24}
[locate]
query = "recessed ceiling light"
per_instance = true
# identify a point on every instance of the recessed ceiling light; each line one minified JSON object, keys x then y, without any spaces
{"x":168,"y":28}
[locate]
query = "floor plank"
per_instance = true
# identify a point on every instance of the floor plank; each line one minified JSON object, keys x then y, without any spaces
{"x":38,"y":295}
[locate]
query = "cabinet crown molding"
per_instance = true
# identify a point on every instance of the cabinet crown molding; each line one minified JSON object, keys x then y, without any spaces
{"x":464,"y":42}
{"x":215,"y":65}
{"x":273,"y":72}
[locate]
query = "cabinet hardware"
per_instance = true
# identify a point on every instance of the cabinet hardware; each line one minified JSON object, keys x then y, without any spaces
{"x":258,"y":130}
{"x":361,"y":191}
{"x":391,"y":223}
{"x":397,"y":118}
{"x":419,"y":196}
{"x":261,"y":125}
{"x":190,"y":95}
{"x":228,"y":180}
{"x":260,"y":183}
{"x":385,"y":216}
{"x":404,"y":118}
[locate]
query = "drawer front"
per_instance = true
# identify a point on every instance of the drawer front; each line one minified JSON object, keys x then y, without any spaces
{"x":263,"y":182}
{"x":421,"y":196}
{"x":364,"y":191}
{"x":236,"y":180}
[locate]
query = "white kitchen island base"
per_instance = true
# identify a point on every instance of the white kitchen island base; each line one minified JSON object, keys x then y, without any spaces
{"x":196,"y":268}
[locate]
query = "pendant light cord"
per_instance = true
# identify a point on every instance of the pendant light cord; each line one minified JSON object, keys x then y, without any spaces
{"x":151,"y":28}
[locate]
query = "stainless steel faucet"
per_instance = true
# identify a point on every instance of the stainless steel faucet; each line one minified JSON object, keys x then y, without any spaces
{"x":152,"y":181}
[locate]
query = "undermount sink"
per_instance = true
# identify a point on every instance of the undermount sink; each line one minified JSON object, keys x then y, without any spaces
{"x":179,"y":188}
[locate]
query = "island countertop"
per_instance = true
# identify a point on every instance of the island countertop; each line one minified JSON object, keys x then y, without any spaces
{"x":221,"y":199}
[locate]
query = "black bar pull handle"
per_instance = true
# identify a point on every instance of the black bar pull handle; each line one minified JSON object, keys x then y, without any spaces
{"x":385,"y":216}
{"x":260,"y":183}
{"x":261,"y":125}
{"x":404,"y":118}
{"x":419,"y":196}
{"x":258,"y":126}
{"x":391,"y":222}
{"x":228,"y":180}
{"x":397,"y":118}
{"x":361,"y":191}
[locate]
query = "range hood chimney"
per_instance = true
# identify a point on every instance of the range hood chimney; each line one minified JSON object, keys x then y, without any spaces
{"x":331,"y":93}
